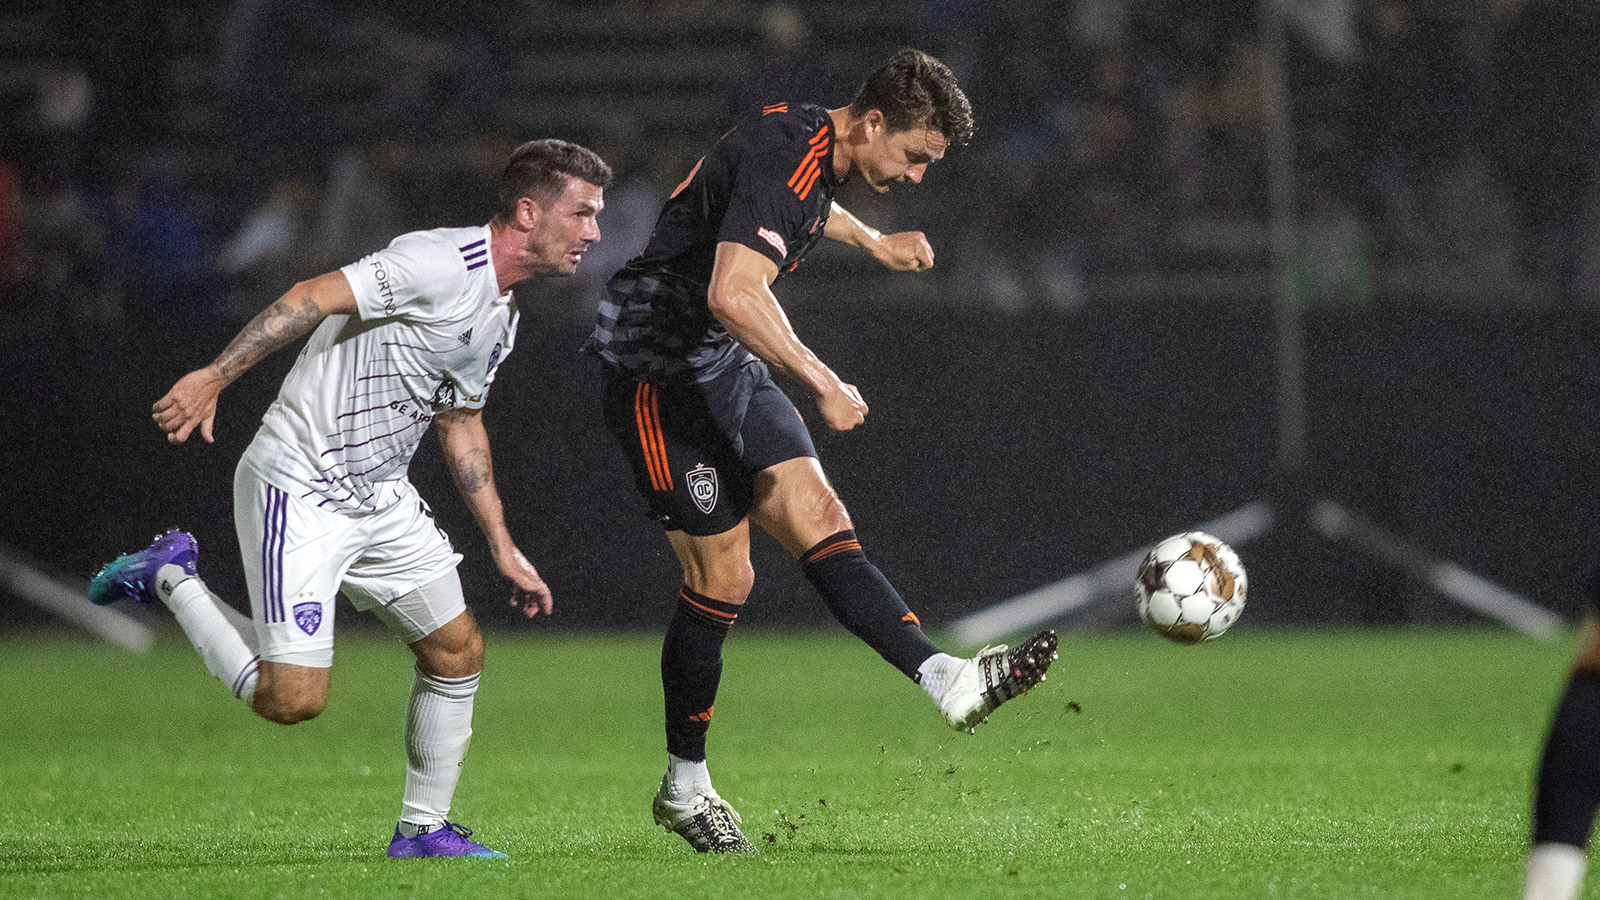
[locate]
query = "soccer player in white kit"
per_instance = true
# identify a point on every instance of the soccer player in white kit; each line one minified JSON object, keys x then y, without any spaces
{"x":409,"y":335}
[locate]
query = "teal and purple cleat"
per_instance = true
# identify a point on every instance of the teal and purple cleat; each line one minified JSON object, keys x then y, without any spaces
{"x":448,"y":839}
{"x":132,"y":576}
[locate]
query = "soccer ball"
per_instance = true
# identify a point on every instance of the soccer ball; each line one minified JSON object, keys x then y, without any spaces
{"x":1190,"y":588}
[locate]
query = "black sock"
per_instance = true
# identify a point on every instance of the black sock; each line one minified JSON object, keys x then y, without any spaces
{"x":865,"y":602}
{"x":1568,"y":792}
{"x":691,"y":668}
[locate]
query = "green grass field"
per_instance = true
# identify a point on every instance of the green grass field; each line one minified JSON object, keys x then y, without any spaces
{"x":1268,"y":764}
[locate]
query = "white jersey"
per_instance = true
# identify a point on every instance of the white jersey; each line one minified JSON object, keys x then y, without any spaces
{"x":430,"y":330}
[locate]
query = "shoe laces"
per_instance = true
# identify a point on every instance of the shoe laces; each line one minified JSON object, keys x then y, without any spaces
{"x":460,"y":831}
{"x":722,"y":821}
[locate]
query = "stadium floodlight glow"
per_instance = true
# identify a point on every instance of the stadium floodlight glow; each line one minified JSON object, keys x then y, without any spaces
{"x":1328,"y":520}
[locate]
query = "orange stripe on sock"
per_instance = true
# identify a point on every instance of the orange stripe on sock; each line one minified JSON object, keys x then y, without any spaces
{"x":912,"y":618}
{"x":835,"y":550}
{"x":727,"y":617}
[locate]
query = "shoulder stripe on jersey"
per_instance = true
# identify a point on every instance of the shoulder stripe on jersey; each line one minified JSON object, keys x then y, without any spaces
{"x":810,"y":168}
{"x":775,"y":108}
{"x":475,"y":258}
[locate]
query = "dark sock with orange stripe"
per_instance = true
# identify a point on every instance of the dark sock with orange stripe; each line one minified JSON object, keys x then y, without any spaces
{"x":865,"y":602}
{"x":691,"y":669}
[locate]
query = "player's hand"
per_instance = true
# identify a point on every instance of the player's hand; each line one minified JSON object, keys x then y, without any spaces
{"x":191,"y":403}
{"x":905,"y":251}
{"x":528,"y":590}
{"x":842,"y":407}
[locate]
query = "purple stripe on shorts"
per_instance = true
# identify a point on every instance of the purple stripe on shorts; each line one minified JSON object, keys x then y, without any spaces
{"x":266,"y":558}
{"x":277,"y":563}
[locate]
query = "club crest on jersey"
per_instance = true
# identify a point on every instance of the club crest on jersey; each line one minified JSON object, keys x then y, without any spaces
{"x":494,"y":360}
{"x":703,"y":487}
{"x":444,"y":396}
{"x":773,"y":238}
{"x":308,"y":616}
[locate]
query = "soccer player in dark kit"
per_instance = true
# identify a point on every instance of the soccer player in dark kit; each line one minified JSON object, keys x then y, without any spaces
{"x":1566,"y":792}
{"x":687,"y":332}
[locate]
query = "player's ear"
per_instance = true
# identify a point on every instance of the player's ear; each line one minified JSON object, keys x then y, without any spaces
{"x":874,"y":122}
{"x":529,"y":212}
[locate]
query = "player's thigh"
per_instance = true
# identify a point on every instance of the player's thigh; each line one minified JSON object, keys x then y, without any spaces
{"x":797,"y":506}
{"x":294,"y":555}
{"x":446,"y":645}
{"x":406,"y":570}
{"x":681,"y":440}
{"x":716,"y":565}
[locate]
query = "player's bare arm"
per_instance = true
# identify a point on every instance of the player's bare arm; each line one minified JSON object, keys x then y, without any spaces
{"x":192,"y":402}
{"x":903,"y":251}
{"x":466,"y":452}
{"x":742,"y":300}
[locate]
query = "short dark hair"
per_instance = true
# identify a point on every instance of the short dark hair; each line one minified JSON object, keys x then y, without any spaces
{"x":913,"y":89}
{"x":539,"y":171}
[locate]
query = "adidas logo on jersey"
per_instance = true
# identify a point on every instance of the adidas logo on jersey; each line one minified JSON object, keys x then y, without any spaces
{"x":466,"y":337}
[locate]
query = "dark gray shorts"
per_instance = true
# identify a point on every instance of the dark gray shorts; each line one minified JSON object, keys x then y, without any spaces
{"x":695,"y":447}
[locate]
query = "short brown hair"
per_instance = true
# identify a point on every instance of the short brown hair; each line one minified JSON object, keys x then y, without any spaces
{"x":539,"y":171}
{"x":913,"y":89}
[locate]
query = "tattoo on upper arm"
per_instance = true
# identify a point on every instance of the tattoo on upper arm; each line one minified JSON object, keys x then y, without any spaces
{"x":272,"y":328}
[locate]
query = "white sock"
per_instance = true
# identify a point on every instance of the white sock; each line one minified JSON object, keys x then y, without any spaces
{"x":936,"y":673}
{"x":224,"y":638}
{"x":686,"y":778}
{"x":438,"y":730}
{"x":1555,"y":872}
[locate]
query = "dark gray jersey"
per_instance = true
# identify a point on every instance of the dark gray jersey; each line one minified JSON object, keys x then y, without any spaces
{"x":767,"y":184}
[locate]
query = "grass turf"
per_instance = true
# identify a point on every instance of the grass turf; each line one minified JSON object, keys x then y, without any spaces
{"x":1267,"y":764}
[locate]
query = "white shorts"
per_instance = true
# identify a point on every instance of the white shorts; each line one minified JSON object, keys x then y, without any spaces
{"x":298,"y":557}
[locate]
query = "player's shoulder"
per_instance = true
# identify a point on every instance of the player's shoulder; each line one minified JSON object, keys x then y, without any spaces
{"x":443,"y":245}
{"x":780,"y":126}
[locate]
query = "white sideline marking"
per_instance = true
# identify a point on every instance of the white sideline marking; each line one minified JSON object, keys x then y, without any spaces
{"x":1453,"y":581}
{"x":1051,"y":602}
{"x":71,"y":602}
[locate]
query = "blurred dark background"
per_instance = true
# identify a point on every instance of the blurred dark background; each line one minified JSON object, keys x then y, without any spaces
{"x":1091,"y":366}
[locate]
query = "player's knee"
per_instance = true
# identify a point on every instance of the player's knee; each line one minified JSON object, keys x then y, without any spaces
{"x":461,"y":658}
{"x":729,"y":581}
{"x":287,"y":710}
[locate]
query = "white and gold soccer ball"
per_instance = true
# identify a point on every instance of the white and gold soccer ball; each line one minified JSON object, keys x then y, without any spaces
{"x":1190,"y":588}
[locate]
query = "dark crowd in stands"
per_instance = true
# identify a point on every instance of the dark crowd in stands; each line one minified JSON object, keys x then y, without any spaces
{"x":187,"y":162}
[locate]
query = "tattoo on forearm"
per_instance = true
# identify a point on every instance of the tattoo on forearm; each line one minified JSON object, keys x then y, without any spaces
{"x":473,"y":470}
{"x":272,"y":328}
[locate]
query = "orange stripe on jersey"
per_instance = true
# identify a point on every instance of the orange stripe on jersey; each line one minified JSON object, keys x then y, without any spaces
{"x":805,"y":187}
{"x":685,"y":182}
{"x":775,"y":108}
{"x":808,"y":165}
{"x":647,"y":413}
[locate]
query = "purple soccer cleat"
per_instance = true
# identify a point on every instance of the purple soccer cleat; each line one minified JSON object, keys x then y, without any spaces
{"x":448,"y":839}
{"x":132,"y":576}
